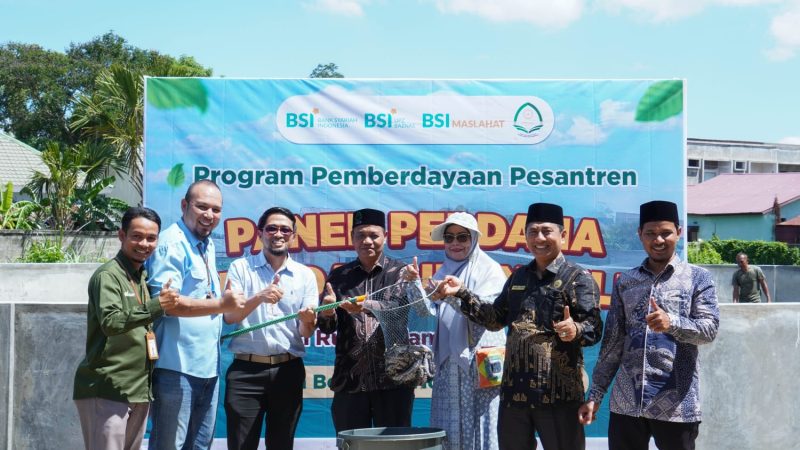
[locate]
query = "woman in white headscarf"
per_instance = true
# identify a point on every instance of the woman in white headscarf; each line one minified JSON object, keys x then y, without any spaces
{"x":466,"y":412}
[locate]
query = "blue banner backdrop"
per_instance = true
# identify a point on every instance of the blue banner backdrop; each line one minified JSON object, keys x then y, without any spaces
{"x":417,"y":149}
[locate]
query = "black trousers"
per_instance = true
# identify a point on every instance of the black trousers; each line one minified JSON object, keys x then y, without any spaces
{"x":633,"y":433}
{"x":390,"y":408}
{"x":557,"y":426}
{"x":254,"y":390}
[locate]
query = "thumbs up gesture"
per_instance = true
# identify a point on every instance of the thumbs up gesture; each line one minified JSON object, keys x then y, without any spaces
{"x":567,"y":329}
{"x":328,"y":297}
{"x":232,"y":300}
{"x":168,"y":298}
{"x":657,"y":319}
{"x":410,"y":272}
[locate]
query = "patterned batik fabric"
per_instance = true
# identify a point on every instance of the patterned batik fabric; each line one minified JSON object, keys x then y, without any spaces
{"x":657,"y":374}
{"x":466,"y":413}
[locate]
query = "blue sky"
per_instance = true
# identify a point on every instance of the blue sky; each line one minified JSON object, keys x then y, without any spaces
{"x":741,"y":57}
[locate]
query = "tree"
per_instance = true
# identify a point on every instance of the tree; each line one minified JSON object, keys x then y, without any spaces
{"x":72,"y":178}
{"x":36,"y":89}
{"x":329,"y":70}
{"x":113,"y":112}
{"x":38,"y":86}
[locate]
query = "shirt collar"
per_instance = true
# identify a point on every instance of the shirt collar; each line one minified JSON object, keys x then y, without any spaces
{"x":260,"y":260}
{"x":554,"y":265}
{"x":193,"y":241}
{"x":378,"y":264}
{"x":672,"y":264}
{"x":127,"y":265}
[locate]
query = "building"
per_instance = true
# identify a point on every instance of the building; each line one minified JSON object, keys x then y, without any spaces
{"x":708,"y":158}
{"x":749,"y":206}
{"x":18,"y":161}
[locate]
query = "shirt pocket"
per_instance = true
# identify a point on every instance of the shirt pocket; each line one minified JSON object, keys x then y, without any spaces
{"x":198,"y":281}
{"x":675,"y":301}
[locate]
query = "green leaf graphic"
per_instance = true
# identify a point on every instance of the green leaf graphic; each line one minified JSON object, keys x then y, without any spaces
{"x":661,"y":101}
{"x":174,"y":93}
{"x":176,"y":176}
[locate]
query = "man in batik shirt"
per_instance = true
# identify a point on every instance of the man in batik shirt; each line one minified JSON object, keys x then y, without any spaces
{"x":660,"y":312}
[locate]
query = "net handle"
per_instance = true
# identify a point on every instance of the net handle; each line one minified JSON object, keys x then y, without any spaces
{"x":329,"y":306}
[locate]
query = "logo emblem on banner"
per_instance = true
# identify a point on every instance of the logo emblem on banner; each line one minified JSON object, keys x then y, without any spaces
{"x":528,"y":120}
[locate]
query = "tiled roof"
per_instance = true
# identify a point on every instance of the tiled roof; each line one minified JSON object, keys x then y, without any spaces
{"x":751,"y":193}
{"x":17,"y":162}
{"x":795,"y":221}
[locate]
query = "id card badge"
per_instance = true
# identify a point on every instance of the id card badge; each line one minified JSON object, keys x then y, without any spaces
{"x":152,"y":348}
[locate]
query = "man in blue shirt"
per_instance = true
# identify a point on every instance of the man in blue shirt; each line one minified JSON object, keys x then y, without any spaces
{"x":267,"y":374}
{"x":185,"y":380}
{"x":660,"y":312}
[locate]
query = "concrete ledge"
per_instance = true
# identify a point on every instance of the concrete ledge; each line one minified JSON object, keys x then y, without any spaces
{"x":97,"y":245}
{"x":45,"y":283}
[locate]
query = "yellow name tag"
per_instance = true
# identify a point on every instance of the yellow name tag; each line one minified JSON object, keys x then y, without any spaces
{"x":518,"y":288}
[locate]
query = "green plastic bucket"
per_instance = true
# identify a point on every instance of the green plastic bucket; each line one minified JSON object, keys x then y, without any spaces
{"x":392,"y":438}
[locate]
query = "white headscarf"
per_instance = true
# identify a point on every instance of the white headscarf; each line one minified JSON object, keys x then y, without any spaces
{"x":484,"y":278}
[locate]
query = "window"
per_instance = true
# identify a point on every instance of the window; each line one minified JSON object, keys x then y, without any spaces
{"x":740,"y":166}
{"x":694,"y":164}
{"x":694,"y":232}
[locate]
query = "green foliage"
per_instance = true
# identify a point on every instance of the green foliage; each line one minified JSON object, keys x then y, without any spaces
{"x":69,"y":190}
{"x":758,"y":252}
{"x":703,"y":253}
{"x":22,"y":215}
{"x":8,"y":198}
{"x":38,"y":86}
{"x":93,"y":211}
{"x":48,"y":251}
{"x":177,"y":93}
{"x":661,"y":101}
{"x":329,"y":70}
{"x":176,"y":177}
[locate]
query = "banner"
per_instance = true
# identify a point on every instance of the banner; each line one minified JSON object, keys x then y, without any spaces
{"x":417,"y":149}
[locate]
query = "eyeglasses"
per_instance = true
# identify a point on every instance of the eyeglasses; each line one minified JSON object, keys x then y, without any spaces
{"x":460,"y":237}
{"x":273,"y":229}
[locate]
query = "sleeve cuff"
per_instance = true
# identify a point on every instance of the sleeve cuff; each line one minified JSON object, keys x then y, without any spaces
{"x":674,"y":321}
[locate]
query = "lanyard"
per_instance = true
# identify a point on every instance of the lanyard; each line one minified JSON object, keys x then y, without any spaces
{"x":201,"y":248}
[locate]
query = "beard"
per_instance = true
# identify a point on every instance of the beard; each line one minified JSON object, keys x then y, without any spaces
{"x":278,"y":251}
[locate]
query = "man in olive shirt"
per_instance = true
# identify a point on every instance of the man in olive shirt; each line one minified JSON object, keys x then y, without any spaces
{"x":112,"y":384}
{"x":746,"y":282}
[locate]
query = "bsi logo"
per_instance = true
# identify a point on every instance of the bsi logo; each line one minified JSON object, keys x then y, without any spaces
{"x":440,"y":120}
{"x":379,"y":120}
{"x":302,"y":120}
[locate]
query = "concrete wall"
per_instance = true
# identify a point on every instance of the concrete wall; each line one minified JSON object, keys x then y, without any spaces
{"x":748,"y":379}
{"x":748,"y":374}
{"x":95,"y":246}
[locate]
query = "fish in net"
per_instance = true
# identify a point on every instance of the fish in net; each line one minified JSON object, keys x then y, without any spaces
{"x":404,"y":314}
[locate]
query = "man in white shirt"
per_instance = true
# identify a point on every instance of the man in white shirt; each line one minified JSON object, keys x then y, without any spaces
{"x":267,"y":373}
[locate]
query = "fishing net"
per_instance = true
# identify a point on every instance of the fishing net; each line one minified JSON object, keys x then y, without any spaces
{"x":403,"y":311}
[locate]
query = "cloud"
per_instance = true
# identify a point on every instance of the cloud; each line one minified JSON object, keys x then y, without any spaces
{"x":666,"y":10}
{"x":465,"y":157}
{"x":614,"y":114}
{"x":793,"y":140}
{"x":350,"y":8}
{"x":585,"y":132}
{"x":542,"y":13}
{"x":785,"y":29}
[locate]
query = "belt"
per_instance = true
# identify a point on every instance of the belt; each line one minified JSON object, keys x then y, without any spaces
{"x":272,"y":359}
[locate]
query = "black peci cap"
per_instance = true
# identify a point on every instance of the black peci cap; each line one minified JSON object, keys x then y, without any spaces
{"x":658,"y":210}
{"x":369,"y":216}
{"x":545,"y":212}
